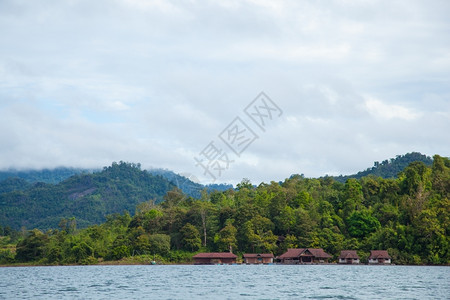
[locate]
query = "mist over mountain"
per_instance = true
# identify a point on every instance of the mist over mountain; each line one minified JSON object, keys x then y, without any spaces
{"x":89,"y":197}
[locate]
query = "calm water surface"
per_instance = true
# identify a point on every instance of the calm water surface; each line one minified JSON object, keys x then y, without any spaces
{"x":225,"y":282}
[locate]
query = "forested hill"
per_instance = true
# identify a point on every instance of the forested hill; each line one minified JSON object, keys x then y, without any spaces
{"x":87,"y":197}
{"x":408,"y":216}
{"x":389,"y":168}
{"x":13,"y":179}
{"x":188,"y":185}
{"x":54,"y":176}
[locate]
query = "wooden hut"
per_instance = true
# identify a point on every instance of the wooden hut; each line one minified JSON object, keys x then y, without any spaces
{"x":304,"y":256}
{"x":379,"y":257}
{"x":214,"y":258}
{"x":348,"y":257}
{"x":258,"y":258}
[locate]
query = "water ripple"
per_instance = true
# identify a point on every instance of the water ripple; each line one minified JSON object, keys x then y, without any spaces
{"x":225,"y":282}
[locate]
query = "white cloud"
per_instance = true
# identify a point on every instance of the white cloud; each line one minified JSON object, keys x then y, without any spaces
{"x":382,"y":110}
{"x":84,"y":83}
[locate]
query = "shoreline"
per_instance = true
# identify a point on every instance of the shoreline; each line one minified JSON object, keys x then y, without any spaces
{"x":119,"y":263}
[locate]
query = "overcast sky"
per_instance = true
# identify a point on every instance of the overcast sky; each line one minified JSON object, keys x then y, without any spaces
{"x":86,"y":83}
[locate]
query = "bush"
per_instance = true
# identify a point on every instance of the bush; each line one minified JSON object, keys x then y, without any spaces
{"x":159,"y":244}
{"x":82,"y":251}
{"x":90,"y":260}
{"x":118,"y":252}
{"x":32,"y":247}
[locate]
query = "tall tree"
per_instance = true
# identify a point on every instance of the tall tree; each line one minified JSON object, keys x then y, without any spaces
{"x":226,"y":239}
{"x":191,"y":237}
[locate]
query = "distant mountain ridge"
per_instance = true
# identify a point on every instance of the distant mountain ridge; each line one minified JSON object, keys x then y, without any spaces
{"x":87,"y":197}
{"x":21,"y":179}
{"x":389,"y":168}
{"x":187,"y":183}
{"x":54,"y":175}
{"x":31,"y":199}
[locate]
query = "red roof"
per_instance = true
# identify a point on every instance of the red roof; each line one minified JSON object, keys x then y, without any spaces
{"x":291,"y":253}
{"x":375,"y":254}
{"x":215,"y":255}
{"x":295,"y":253}
{"x":349,"y":254}
{"x":255,"y":255}
{"x":319,"y":253}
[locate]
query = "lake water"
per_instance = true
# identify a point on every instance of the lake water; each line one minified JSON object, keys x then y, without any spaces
{"x":225,"y":282}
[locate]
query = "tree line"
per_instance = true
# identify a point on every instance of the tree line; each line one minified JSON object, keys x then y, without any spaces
{"x":408,"y":216}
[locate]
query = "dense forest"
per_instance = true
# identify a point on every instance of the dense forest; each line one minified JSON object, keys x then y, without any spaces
{"x":408,"y":216}
{"x":89,"y":197}
{"x":19,"y":180}
{"x":32,"y":200}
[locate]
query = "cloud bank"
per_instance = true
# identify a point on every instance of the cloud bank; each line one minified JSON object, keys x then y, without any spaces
{"x":83,"y":84}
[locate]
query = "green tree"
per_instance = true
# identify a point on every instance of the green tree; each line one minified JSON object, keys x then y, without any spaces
{"x":441,"y":175}
{"x":290,"y":241}
{"x":226,"y":239}
{"x":118,"y":252}
{"x":204,"y":209}
{"x":191,"y":237}
{"x":416,"y":179}
{"x":431,"y":238}
{"x":54,"y":254}
{"x":159,"y":244}
{"x":285,"y":221}
{"x":152,"y":220}
{"x":244,"y":184}
{"x":361,"y":224}
{"x":330,"y":241}
{"x":82,"y":251}
{"x":142,"y":244}
{"x":353,"y":197}
{"x":32,"y":247}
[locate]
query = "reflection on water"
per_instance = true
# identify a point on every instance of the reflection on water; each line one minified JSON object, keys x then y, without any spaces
{"x":225,"y":282}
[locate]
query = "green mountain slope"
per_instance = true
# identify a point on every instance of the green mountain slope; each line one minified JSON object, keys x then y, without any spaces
{"x":87,"y":197}
{"x":9,"y":180}
{"x":389,"y":168}
{"x":13,"y":184}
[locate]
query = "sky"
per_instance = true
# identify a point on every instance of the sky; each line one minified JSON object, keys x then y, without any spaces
{"x":177,"y":85}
